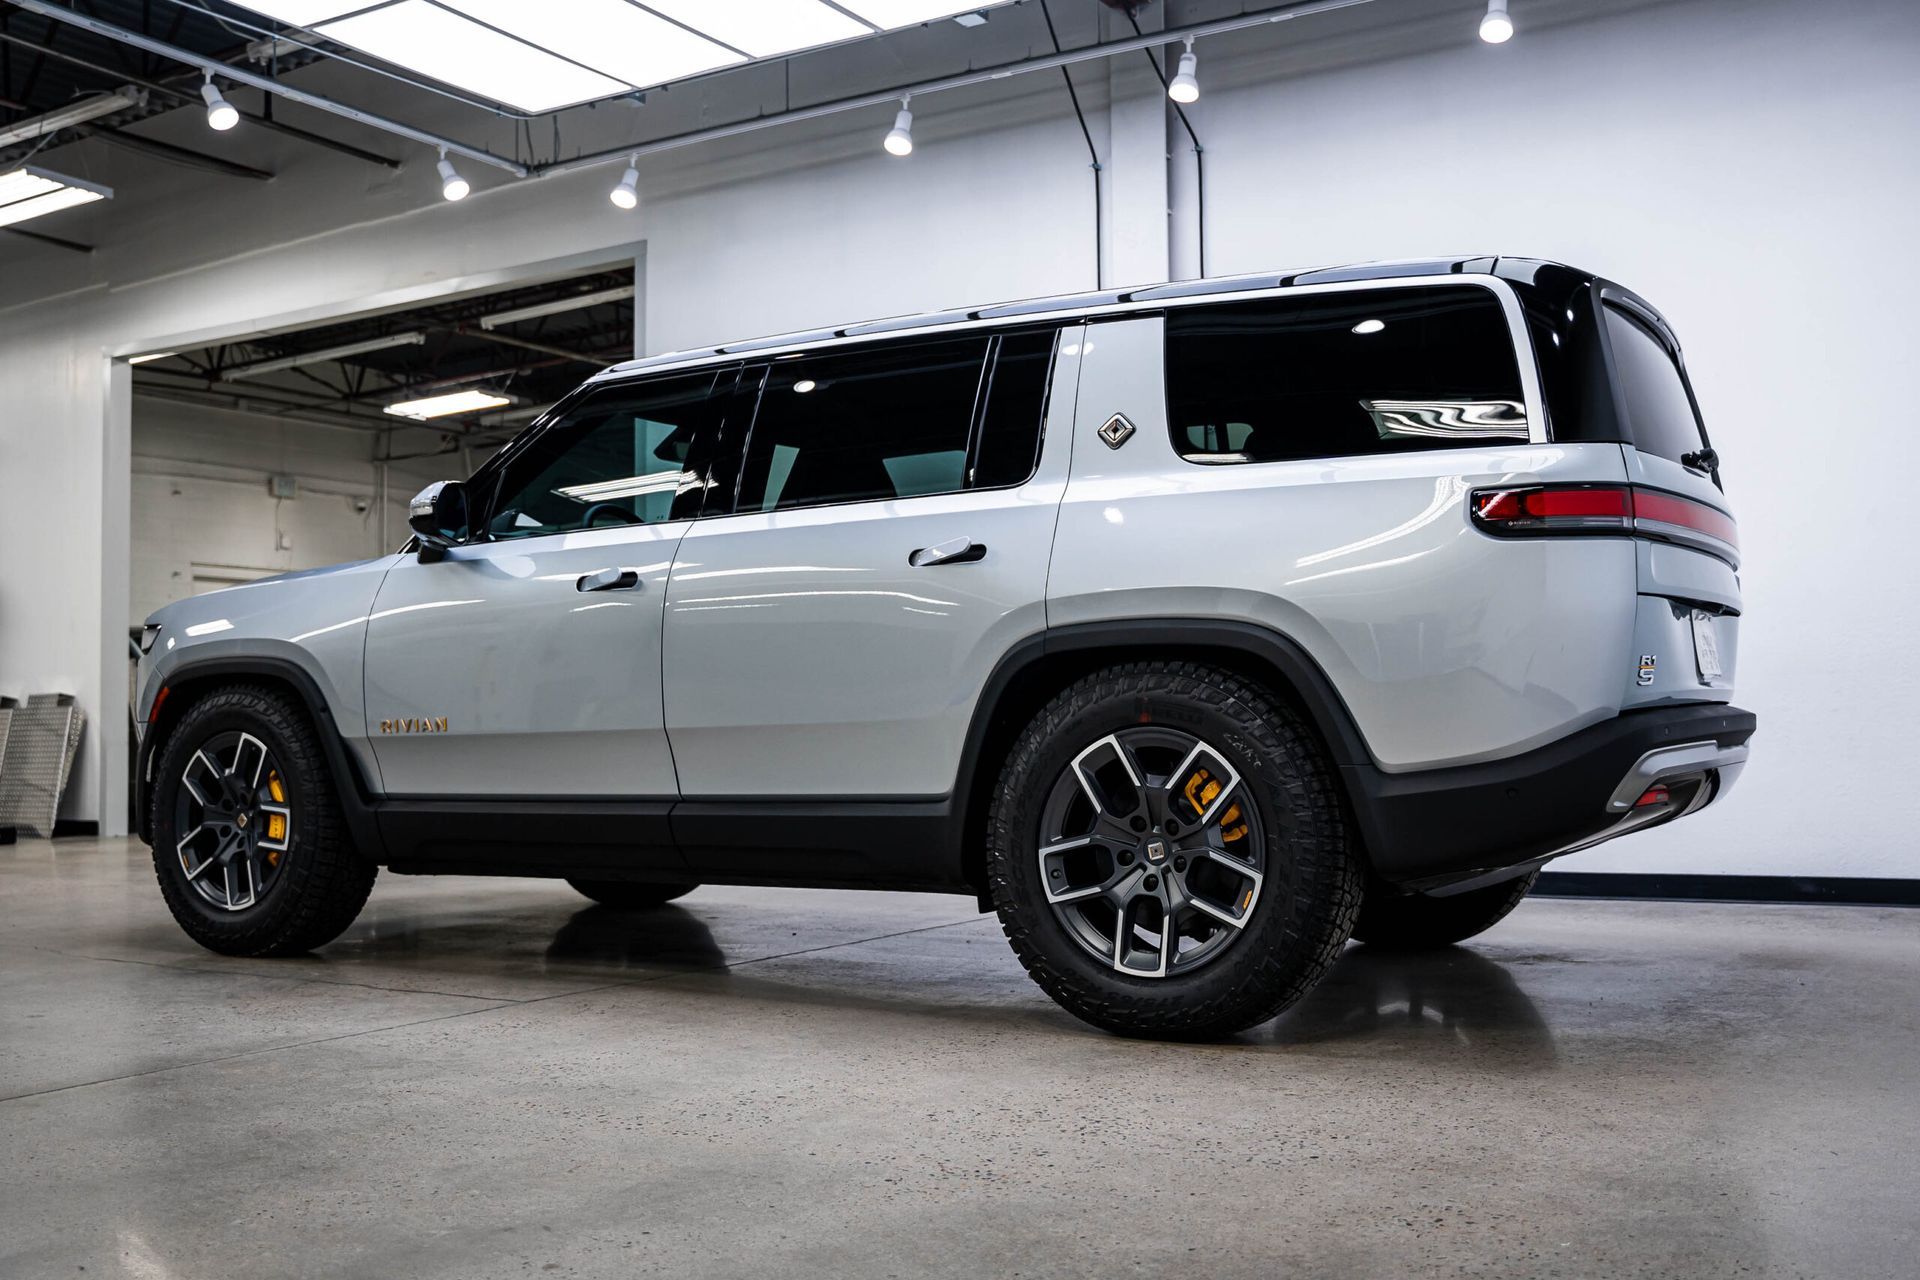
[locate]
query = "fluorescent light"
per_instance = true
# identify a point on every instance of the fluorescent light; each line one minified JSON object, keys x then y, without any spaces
{"x":764,"y":28}
{"x":152,"y":355}
{"x":611,"y":36}
{"x":66,"y":117}
{"x":304,"y":13}
{"x":578,"y":302}
{"x":454,"y":50}
{"x":259,"y":367}
{"x":30,"y":192}
{"x":905,"y":13}
{"x":442,"y":405}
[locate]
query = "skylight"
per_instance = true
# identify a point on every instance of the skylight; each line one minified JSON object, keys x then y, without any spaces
{"x":541,"y":57}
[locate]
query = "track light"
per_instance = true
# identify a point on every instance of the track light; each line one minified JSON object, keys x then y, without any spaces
{"x":627,"y":194}
{"x":452,"y":185}
{"x":1185,"y":87}
{"x":900,"y":139}
{"x":221,"y":115}
{"x":1496,"y":27}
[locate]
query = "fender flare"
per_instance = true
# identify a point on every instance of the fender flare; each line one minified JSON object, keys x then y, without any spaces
{"x":356,"y":797}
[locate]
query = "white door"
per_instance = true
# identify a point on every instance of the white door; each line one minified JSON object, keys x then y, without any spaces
{"x":526,"y":664}
{"x":889,"y":543}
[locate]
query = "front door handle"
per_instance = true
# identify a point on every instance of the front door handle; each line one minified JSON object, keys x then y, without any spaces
{"x":952,"y":551}
{"x":609,"y":580}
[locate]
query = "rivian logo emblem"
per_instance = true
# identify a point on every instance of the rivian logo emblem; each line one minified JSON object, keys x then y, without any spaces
{"x":1156,"y":851}
{"x":415,"y":724}
{"x":1116,"y":431}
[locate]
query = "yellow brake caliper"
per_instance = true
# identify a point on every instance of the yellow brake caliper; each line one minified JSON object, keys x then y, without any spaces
{"x":276,"y":822}
{"x":1201,"y":790}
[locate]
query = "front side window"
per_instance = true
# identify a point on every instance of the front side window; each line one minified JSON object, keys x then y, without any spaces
{"x":624,"y":455}
{"x":1370,"y":371}
{"x":1659,"y":412}
{"x":891,"y":422}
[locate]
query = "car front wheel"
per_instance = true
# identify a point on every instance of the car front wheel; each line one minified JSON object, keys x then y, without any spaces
{"x":1167,"y":853}
{"x":249,"y":843}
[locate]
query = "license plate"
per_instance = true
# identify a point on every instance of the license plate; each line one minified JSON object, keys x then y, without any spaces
{"x":1706,"y":646}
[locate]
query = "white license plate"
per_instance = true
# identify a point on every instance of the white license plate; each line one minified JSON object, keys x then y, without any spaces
{"x":1706,"y":646}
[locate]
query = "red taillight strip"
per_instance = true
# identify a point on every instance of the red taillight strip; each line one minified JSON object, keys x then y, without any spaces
{"x":1541,"y":510}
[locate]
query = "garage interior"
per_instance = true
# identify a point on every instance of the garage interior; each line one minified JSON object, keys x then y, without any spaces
{"x":278,"y":278}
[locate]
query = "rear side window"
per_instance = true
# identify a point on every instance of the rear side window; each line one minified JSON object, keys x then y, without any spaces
{"x":1377,"y":371}
{"x":1659,"y":412}
{"x":624,"y":455}
{"x":898,"y":421}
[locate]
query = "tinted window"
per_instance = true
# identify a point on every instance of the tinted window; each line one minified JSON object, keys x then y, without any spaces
{"x":891,"y":422}
{"x":1659,"y":413}
{"x":1381,"y":371}
{"x":1016,"y":407}
{"x":621,"y":456}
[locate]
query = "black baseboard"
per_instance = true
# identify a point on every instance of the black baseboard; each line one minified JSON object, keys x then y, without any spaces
{"x":8,"y":835}
{"x":75,"y":827}
{"x":1843,"y":890}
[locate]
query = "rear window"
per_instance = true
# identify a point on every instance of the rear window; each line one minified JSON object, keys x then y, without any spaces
{"x":1375,"y":371}
{"x":1654,"y":397}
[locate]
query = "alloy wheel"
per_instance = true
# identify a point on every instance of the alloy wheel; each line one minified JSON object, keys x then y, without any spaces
{"x":237,"y":822}
{"x":1151,"y":857}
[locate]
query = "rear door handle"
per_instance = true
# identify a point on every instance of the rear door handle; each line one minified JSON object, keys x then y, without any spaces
{"x":609,"y":580}
{"x":952,"y":551}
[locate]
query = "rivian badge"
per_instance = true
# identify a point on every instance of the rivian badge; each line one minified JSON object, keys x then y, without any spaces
{"x":1116,"y":431}
{"x":1156,"y":851}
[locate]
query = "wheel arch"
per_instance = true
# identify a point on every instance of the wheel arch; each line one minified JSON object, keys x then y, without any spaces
{"x":191,"y":682}
{"x":1042,"y":665}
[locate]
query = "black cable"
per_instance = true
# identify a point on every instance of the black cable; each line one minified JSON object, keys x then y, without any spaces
{"x":1199,"y":164}
{"x":1099,"y":222}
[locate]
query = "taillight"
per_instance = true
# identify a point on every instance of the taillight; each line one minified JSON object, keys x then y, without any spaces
{"x":1532,"y":510}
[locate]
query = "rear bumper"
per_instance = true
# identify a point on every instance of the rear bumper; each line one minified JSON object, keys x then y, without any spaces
{"x":1476,"y":823}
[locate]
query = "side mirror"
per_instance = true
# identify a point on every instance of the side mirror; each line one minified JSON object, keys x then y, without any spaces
{"x":438,"y":514}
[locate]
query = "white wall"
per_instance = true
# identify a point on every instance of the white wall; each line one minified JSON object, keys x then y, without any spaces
{"x":200,"y":497}
{"x":1746,"y":166}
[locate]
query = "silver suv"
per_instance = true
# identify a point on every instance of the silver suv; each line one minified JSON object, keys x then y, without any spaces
{"x":1194,"y":629}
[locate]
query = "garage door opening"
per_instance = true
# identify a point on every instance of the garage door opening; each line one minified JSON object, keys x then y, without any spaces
{"x":300,"y":448}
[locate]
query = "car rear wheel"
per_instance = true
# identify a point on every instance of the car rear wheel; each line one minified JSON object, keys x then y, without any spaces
{"x":1167,"y":854}
{"x":1417,"y":922}
{"x":631,"y":895}
{"x":249,"y":843}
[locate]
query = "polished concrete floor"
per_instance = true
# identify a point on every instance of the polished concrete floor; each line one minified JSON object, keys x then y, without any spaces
{"x":500,"y":1079}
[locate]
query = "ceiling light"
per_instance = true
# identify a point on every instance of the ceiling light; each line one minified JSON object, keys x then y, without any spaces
{"x":152,"y":355}
{"x":450,"y":403}
{"x":452,"y":185}
{"x":899,"y":141}
{"x":764,"y":28}
{"x":805,"y":385}
{"x":259,"y":367}
{"x":304,"y":13}
{"x":611,"y":36}
{"x":455,"y":50}
{"x":1185,"y":87}
{"x":1496,"y":27}
{"x":221,"y":114}
{"x":1369,"y":326}
{"x":30,"y":191}
{"x":971,"y":19}
{"x":66,"y":117}
{"x":627,"y":194}
{"x":579,"y":302}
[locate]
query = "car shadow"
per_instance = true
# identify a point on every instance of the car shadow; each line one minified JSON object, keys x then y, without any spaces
{"x":662,"y":937}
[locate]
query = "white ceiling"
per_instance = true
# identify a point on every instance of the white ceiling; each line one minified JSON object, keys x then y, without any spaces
{"x":541,"y":57}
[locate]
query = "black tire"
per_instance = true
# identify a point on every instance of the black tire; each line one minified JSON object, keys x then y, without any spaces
{"x":1312,"y":886}
{"x":320,"y":881}
{"x":631,"y":895}
{"x":1414,"y":922}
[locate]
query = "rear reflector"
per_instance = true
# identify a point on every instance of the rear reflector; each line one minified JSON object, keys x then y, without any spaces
{"x":1651,"y":796}
{"x":1605,"y":508}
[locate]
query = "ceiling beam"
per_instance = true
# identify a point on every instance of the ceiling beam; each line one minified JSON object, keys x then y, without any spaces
{"x":180,"y":155}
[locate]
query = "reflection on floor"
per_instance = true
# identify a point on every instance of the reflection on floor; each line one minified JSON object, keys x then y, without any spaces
{"x":499,"y":1078}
